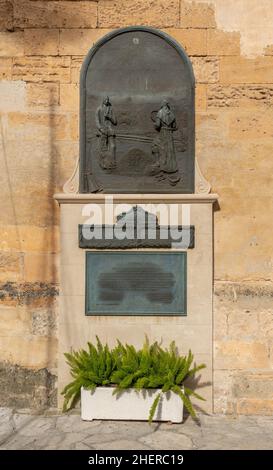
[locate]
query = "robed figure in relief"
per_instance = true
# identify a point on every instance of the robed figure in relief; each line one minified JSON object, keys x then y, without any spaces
{"x":105,"y":122}
{"x":163,"y":145}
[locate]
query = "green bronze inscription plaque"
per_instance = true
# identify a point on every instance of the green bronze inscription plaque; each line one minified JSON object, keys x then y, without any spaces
{"x":136,"y":283}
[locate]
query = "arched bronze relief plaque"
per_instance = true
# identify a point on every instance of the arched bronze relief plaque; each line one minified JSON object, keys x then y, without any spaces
{"x":137,"y":115}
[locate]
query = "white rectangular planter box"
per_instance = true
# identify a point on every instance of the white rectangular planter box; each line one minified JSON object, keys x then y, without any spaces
{"x":129,"y":405}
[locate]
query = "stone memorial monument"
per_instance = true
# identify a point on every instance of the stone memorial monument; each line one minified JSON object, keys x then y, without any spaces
{"x":120,"y":255}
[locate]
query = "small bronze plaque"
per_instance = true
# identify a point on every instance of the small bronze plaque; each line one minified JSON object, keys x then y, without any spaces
{"x":138,"y":283}
{"x":136,"y":229}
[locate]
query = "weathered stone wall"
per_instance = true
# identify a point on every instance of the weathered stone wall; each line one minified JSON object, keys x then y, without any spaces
{"x":42,"y":46}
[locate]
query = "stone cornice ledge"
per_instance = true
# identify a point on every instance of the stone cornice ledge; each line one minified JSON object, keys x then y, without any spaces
{"x":99,"y":198}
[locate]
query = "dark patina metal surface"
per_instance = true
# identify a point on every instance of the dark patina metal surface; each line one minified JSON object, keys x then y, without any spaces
{"x":137,"y":115}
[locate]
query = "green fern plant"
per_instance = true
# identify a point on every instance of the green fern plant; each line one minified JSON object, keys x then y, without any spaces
{"x":150,"y":367}
{"x":89,"y":369}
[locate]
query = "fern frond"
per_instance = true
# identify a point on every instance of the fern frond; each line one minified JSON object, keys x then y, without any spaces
{"x":185,"y":399}
{"x":194,"y":394}
{"x":154,"y":407}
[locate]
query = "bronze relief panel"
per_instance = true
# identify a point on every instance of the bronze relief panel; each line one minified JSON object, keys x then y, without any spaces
{"x":137,"y":115}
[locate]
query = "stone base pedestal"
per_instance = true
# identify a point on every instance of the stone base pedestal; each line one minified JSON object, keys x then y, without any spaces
{"x":193,"y":331}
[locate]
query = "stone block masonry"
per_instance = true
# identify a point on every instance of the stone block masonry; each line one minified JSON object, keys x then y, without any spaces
{"x":42,"y":47}
{"x":55,"y":14}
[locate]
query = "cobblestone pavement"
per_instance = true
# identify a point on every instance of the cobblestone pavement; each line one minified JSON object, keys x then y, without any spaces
{"x":20,"y":430}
